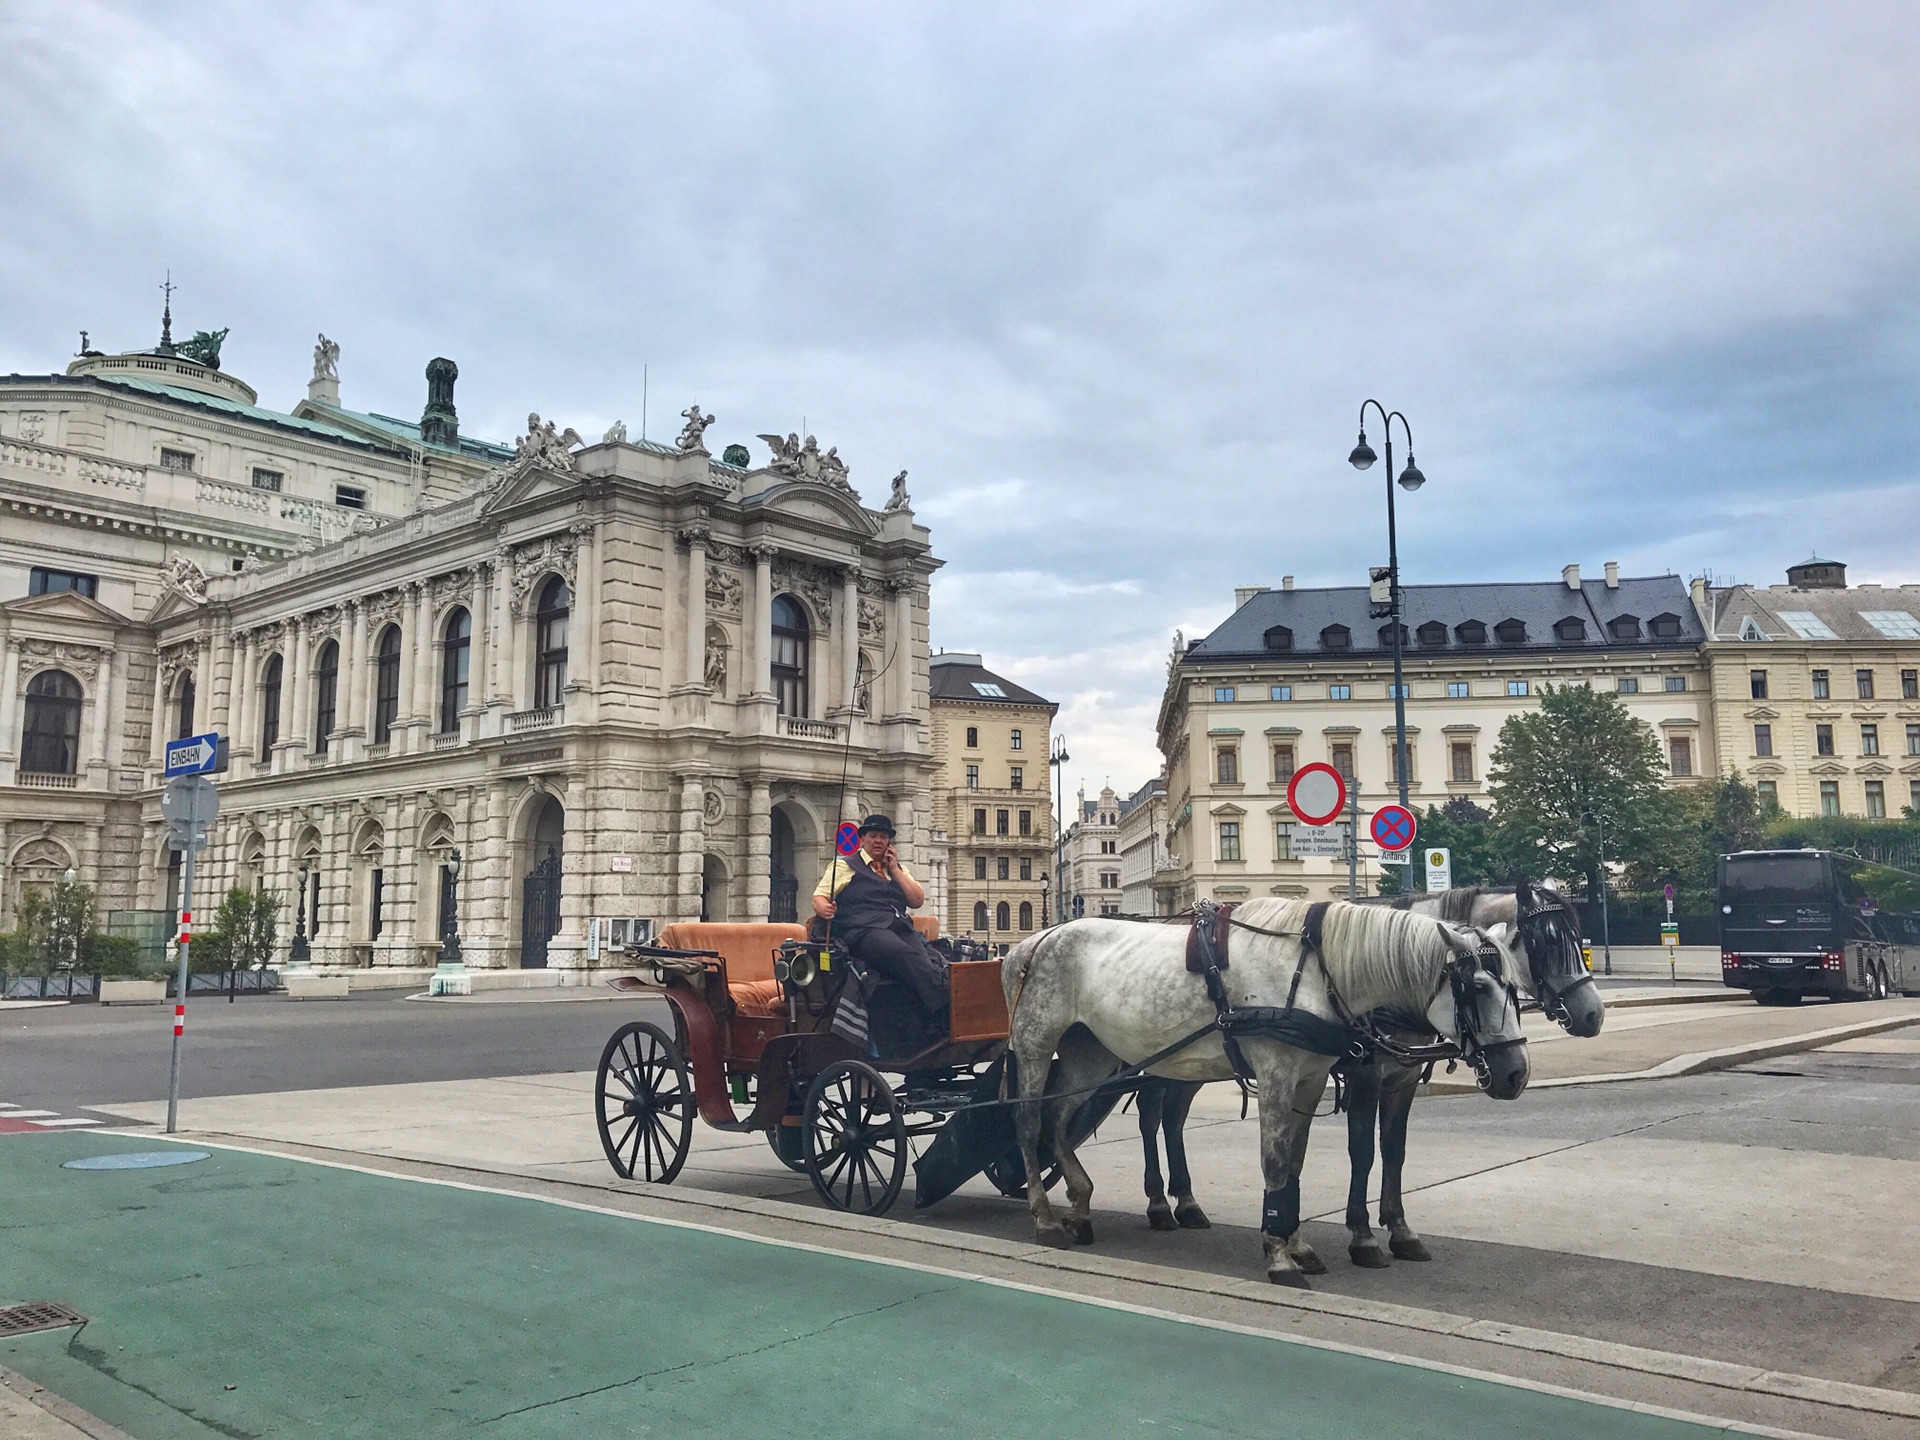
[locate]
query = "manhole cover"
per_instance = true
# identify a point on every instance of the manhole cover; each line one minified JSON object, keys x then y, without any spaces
{"x":38,"y":1315}
{"x":136,"y":1160}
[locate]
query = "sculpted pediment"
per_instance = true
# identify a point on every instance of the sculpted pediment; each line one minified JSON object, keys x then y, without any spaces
{"x":65,"y":606}
{"x":522,"y":483}
{"x":170,"y":606}
{"x":818,"y":503}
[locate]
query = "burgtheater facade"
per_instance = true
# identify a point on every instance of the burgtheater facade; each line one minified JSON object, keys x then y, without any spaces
{"x":530,"y":687}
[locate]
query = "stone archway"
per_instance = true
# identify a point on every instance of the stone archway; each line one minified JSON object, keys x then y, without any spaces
{"x":796,"y":856}
{"x":543,"y":832}
{"x":716,"y":890}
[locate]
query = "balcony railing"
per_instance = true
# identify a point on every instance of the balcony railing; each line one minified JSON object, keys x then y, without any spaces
{"x":445,"y":740}
{"x":36,"y":780}
{"x":520,"y":720}
{"x":801,"y":728}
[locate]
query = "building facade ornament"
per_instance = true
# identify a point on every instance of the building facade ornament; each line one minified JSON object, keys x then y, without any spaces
{"x":716,"y":667}
{"x":713,"y":808}
{"x":812,"y":584}
{"x":326,"y":360}
{"x":184,"y":578}
{"x":555,"y":555}
{"x":899,"y":499}
{"x":725,"y":589}
{"x":80,"y":661}
{"x":384,"y":608}
{"x":455,"y":588}
{"x":616,"y":434}
{"x":324,"y":625}
{"x":803,"y":460}
{"x":173,"y":660}
{"x":873,"y":617}
{"x":542,"y":446}
{"x":692,"y":439}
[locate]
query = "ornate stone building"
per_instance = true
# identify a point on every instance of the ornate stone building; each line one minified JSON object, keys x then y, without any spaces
{"x":619,"y":681}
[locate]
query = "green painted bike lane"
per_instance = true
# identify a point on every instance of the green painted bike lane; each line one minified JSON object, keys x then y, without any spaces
{"x":345,"y":1305}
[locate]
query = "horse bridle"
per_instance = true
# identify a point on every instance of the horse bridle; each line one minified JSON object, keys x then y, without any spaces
{"x":1537,"y":934}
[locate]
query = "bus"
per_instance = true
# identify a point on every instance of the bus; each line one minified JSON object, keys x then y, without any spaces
{"x":1804,"y":922}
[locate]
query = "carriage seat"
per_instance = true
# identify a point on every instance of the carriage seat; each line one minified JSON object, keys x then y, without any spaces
{"x":748,"y":952}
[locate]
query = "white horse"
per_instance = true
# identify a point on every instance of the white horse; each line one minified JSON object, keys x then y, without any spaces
{"x":1105,"y":995}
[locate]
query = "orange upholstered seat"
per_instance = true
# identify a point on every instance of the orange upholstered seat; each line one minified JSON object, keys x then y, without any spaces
{"x":748,"y":952}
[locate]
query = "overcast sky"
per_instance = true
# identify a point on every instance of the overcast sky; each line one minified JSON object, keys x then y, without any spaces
{"x":1111,"y":280}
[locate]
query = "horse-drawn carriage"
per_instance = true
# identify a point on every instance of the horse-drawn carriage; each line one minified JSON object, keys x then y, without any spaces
{"x":790,"y":1036}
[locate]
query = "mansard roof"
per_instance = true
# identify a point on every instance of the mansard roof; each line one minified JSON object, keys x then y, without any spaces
{"x":959,"y":676}
{"x":1316,"y":621}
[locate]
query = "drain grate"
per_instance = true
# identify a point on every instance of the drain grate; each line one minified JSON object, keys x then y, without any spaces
{"x":38,"y":1315}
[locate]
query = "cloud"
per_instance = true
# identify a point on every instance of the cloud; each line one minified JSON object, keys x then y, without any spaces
{"x":1109,"y":280}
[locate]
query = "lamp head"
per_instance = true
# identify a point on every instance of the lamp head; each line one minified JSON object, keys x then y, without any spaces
{"x":1362,"y":456}
{"x":1411,"y":478}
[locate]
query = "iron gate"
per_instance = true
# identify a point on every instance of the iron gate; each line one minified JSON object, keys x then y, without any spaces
{"x":539,"y":911}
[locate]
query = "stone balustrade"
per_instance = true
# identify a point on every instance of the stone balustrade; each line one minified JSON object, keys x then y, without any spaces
{"x":801,"y":728}
{"x":520,"y":720}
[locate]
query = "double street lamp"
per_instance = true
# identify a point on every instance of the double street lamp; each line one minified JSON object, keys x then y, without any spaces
{"x":1411,"y":479}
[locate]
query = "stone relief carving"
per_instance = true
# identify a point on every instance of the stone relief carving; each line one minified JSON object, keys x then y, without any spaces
{"x":725,"y":591}
{"x":542,"y":446}
{"x":80,"y":661}
{"x":173,"y":660}
{"x":555,"y":554}
{"x":811,"y":584}
{"x":33,"y":427}
{"x":873,"y":616}
{"x":802,"y":459}
{"x":456,"y":588}
{"x":41,"y":854}
{"x":324,"y":625}
{"x":693,"y":438}
{"x":184,"y":578}
{"x":383,"y":609}
{"x":713,"y":808}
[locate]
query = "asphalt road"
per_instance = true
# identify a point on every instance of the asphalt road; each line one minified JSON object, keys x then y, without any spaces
{"x":67,"y":1057}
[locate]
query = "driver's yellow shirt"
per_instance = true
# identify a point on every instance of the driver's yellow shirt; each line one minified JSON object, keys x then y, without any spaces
{"x":838,"y":874}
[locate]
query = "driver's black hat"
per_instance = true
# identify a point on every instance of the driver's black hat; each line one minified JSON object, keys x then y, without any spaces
{"x":877,"y":822}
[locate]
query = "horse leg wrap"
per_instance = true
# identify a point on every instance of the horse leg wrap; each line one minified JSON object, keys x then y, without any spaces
{"x":1280,"y":1212}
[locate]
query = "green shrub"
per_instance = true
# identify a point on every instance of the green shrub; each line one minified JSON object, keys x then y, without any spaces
{"x":117,"y":957}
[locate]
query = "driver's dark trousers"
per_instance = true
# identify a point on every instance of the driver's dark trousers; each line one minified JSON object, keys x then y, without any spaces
{"x":905,"y":957}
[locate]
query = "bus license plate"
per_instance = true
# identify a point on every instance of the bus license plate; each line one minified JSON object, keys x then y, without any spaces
{"x":1779,"y":960}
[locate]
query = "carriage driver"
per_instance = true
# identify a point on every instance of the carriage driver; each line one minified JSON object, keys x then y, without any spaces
{"x":866,"y":896}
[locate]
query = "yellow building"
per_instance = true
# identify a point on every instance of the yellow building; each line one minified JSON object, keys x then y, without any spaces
{"x":990,"y":797}
{"x":1816,"y":689}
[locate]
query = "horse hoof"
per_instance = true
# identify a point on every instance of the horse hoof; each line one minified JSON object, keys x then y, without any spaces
{"x":1414,"y":1249}
{"x":1082,"y":1231}
{"x":1292,"y":1279}
{"x":1054,"y":1235}
{"x":1160,"y":1217}
{"x":1310,"y":1264}
{"x":1368,"y":1257}
{"x":1191,"y":1217}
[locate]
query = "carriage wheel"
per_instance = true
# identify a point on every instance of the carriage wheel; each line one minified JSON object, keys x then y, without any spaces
{"x":855,"y":1138}
{"x":644,"y":1104}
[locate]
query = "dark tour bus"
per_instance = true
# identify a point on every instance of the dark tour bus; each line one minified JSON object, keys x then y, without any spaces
{"x":1799,"y":922}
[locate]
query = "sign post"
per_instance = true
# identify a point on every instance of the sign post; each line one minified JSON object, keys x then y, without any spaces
{"x":1393,"y":829}
{"x":189,"y":804}
{"x":1317,"y":794}
{"x":1439,"y":868}
{"x":1670,"y":937}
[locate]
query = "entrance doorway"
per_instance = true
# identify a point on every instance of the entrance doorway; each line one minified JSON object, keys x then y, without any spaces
{"x":540,"y":888}
{"x":783,"y":896}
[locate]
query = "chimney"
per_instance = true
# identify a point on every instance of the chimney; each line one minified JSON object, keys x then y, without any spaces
{"x":1613,"y":574}
{"x":440,"y":422}
{"x":1286,"y":582}
{"x":1571,"y":574}
{"x":1244,"y":593}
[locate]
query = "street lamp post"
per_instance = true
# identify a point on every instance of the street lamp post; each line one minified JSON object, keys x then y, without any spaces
{"x":1361,"y":458}
{"x":1044,"y":921}
{"x":1058,"y":758}
{"x":450,"y":942}
{"x":1606,"y":928}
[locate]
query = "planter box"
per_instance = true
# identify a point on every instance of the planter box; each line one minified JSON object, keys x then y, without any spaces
{"x":51,"y":987}
{"x":316,"y":987}
{"x":132,"y":992}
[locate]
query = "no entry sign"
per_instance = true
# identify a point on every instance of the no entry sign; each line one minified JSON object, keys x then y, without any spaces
{"x":847,"y":838}
{"x":1392,"y":827}
{"x":1317,"y":793}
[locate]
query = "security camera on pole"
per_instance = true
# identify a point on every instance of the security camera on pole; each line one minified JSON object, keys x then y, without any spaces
{"x":189,"y":805}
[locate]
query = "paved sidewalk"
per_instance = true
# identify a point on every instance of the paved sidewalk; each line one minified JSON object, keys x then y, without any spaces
{"x":251,"y":1295}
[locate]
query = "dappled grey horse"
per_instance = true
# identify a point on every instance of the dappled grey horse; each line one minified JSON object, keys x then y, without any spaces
{"x":1107,"y":996}
{"x":1379,"y":1090}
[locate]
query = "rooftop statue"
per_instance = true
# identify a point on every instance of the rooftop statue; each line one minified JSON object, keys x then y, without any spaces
{"x":204,"y":348}
{"x":616,"y":434}
{"x":326,"y":360}
{"x":542,"y":446}
{"x":786,"y":454}
{"x":899,"y":499}
{"x":184,"y":578}
{"x":693,"y":438}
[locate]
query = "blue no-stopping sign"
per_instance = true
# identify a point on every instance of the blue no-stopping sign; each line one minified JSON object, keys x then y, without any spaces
{"x":1392,"y":827}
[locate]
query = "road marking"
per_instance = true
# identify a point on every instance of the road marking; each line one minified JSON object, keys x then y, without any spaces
{"x":16,"y":1120}
{"x":66,"y":1123}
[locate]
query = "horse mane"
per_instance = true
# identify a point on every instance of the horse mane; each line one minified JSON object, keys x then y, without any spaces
{"x":1371,"y":949}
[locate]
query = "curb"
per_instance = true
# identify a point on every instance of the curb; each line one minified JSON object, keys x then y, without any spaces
{"x":70,"y":1415}
{"x":1719,"y":1374}
{"x":1677,"y":997}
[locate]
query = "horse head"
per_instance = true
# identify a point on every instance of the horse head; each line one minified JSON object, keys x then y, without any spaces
{"x":1478,"y":1007}
{"x":1550,"y":931}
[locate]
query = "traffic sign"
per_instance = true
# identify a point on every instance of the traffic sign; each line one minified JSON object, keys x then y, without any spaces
{"x":1668,"y":890}
{"x":189,"y":802}
{"x":1317,"y":793}
{"x":1392,"y":827}
{"x":1439,"y":868}
{"x":847,"y":838}
{"x":194,"y":755}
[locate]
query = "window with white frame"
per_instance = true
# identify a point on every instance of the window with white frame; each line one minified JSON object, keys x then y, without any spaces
{"x":1517,"y":688}
{"x":1229,"y":839}
{"x":1459,"y":689}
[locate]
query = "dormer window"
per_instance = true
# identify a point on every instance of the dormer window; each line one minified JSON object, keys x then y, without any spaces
{"x":1336,"y":637}
{"x":1278,"y":638}
{"x":1624,"y":627}
{"x":1471,"y":632}
{"x":1434,"y":632}
{"x":1511,"y":632}
{"x":1570,"y":631}
{"x":1665,"y":627}
{"x":1386,"y":637}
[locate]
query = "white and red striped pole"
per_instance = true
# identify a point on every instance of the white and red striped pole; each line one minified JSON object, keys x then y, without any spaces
{"x":180,"y":997}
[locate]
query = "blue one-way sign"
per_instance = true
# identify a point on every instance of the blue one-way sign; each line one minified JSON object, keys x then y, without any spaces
{"x":194,"y":755}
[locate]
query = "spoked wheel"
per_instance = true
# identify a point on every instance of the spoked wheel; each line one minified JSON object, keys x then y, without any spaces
{"x":855,"y":1138}
{"x":644,"y":1104}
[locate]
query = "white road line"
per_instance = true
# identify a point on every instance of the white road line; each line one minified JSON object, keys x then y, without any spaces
{"x":17,"y":1114}
{"x":52,"y":1124}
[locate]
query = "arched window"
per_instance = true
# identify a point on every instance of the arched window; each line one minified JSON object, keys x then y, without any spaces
{"x":51,"y":744}
{"x":1279,"y":637}
{"x":184,"y":698}
{"x":979,"y":914}
{"x":456,"y":647}
{"x":386,"y":684}
{"x":1026,"y":915}
{"x":1002,"y":917}
{"x":550,"y":643}
{"x":326,"y":684}
{"x":789,"y":656}
{"x":269,"y":706}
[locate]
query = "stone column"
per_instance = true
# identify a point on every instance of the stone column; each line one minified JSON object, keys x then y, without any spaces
{"x":296,"y":696}
{"x":518,"y":685}
{"x":587,"y":603}
{"x":418,"y":711}
{"x":220,"y":684}
{"x":501,"y":685}
{"x":356,"y":721}
{"x":156,"y":742}
{"x":202,"y":683}
{"x":240,"y":739}
{"x":900,"y":660}
{"x":762,"y":619}
{"x":694,"y":537}
{"x":690,"y":864}
{"x":9,"y":692}
{"x":849,"y":623}
{"x":102,"y":710}
{"x":759,"y":878}
{"x":480,"y":656}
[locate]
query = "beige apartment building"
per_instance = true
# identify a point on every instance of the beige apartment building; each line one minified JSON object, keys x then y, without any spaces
{"x":1816,"y":689}
{"x":1090,"y":857}
{"x":990,"y":739}
{"x":1148,"y":874}
{"x":1295,"y":676}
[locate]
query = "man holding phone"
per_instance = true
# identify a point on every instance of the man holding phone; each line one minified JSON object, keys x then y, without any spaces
{"x":865,"y":897}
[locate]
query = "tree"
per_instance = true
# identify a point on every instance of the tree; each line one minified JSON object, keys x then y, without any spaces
{"x":53,"y":922}
{"x":1577,"y":767}
{"x":1468,"y":833}
{"x":246,"y":928}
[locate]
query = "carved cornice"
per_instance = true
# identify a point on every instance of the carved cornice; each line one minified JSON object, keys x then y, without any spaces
{"x":78,"y":659}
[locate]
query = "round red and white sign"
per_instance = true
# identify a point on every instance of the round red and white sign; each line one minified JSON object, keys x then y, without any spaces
{"x":1317,"y":793}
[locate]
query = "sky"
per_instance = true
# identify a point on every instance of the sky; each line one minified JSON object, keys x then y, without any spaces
{"x":1110,"y":280}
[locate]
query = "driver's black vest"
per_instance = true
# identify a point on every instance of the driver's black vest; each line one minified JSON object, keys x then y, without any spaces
{"x":869,"y":901}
